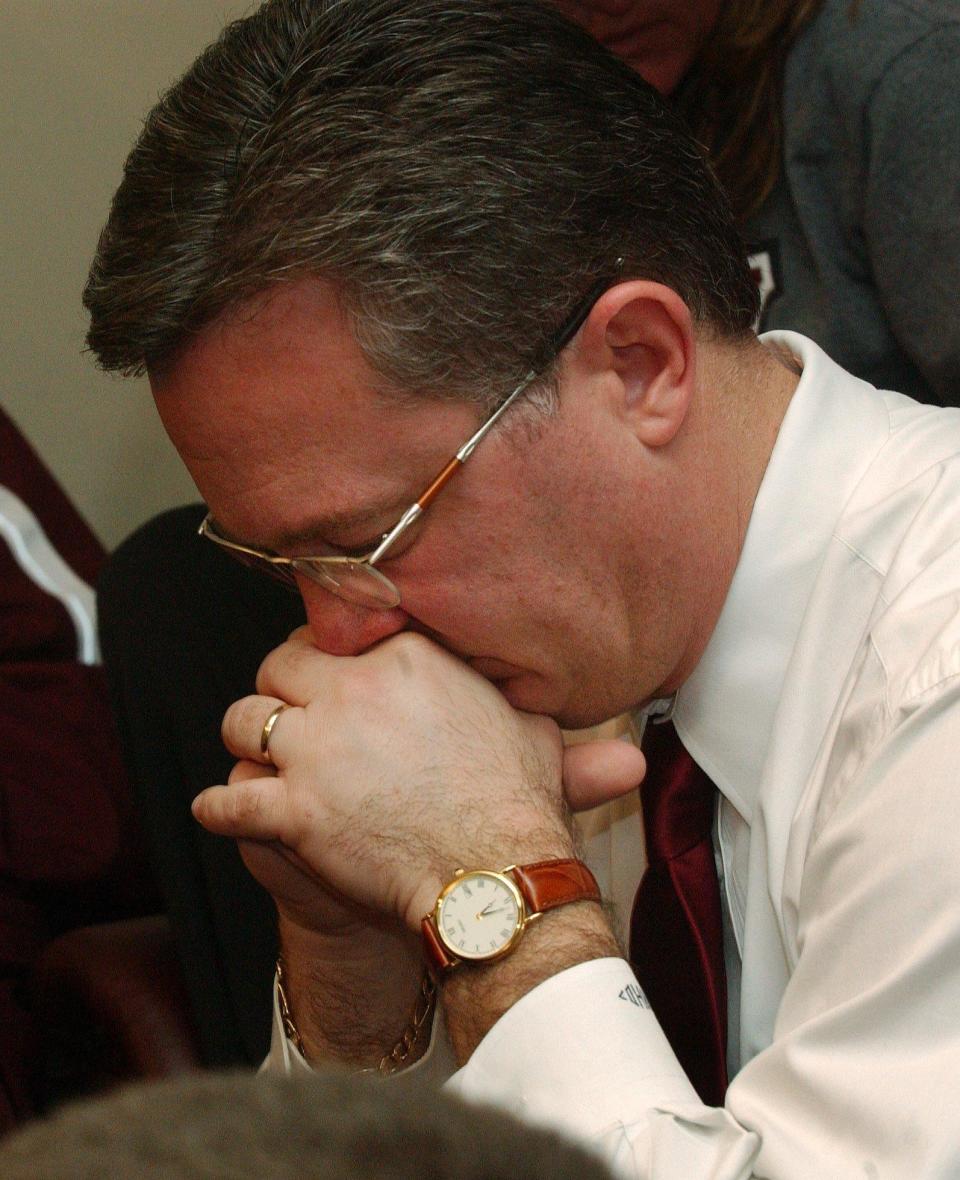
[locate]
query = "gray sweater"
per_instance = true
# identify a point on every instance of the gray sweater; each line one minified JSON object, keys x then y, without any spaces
{"x":858,"y":246}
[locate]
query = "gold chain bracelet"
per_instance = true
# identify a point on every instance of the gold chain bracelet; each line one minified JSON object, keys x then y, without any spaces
{"x":397,"y":1057}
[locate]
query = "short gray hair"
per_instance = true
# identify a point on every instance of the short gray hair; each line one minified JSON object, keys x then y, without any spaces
{"x":461,"y":170}
{"x":330,"y":1126}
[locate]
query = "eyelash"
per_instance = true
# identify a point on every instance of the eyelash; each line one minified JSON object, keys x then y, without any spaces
{"x":361,"y":550}
{"x":399,"y":547}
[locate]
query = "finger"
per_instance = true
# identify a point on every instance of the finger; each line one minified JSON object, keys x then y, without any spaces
{"x":245,"y":769}
{"x":244,"y":728}
{"x":296,"y":670}
{"x":251,"y":809}
{"x":595,"y":772}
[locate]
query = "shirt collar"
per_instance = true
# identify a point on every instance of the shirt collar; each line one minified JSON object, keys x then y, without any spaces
{"x":725,"y":711}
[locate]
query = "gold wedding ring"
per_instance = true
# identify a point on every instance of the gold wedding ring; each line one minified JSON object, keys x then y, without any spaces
{"x":267,"y":730}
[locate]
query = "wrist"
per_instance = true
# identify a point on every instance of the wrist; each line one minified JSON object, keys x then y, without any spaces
{"x":350,"y":1000}
{"x":408,"y":1048}
{"x":476,"y":995}
{"x":494,"y":935}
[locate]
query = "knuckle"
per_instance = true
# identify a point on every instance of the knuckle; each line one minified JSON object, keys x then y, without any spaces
{"x":407,"y":653}
{"x":244,"y":808}
{"x":411,"y":642}
{"x":359,"y":684}
{"x":268,"y":671}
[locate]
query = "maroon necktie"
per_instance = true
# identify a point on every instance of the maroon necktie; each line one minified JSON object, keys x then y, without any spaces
{"x":676,"y":930}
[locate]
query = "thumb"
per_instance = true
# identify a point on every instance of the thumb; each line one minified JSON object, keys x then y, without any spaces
{"x":595,"y":772}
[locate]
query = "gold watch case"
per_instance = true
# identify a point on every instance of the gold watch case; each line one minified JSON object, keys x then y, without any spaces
{"x":481,"y":915}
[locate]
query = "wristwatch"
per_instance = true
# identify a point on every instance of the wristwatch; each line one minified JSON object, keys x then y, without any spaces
{"x":481,"y":915}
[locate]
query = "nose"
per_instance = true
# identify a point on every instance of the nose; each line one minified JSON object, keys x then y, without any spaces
{"x":342,"y":628}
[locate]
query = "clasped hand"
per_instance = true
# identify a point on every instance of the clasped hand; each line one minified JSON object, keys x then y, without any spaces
{"x":391,"y":769}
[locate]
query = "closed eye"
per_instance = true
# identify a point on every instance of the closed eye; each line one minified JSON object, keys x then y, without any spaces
{"x":358,"y":550}
{"x":400,"y":545}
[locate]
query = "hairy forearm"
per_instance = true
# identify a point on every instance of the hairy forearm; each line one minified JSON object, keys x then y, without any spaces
{"x":475,"y":997}
{"x":351,"y":999}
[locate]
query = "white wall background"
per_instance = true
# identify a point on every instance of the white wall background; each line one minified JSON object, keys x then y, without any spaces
{"x":77,"y":78}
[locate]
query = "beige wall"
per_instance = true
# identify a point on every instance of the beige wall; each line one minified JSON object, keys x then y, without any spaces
{"x":76,"y":79}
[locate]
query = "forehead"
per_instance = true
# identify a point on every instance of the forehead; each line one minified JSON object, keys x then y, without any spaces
{"x":277,"y":414}
{"x":265,"y":367}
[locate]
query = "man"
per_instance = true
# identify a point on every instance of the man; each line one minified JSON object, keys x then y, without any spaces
{"x":349,"y":240}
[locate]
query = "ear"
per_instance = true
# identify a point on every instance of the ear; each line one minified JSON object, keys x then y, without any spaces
{"x":641,"y":333}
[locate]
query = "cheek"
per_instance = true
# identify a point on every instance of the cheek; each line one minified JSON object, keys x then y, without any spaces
{"x":472,"y":540}
{"x":475,"y":588}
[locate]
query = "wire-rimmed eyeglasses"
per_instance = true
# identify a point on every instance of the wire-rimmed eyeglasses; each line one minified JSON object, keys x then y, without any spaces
{"x":356,"y":578}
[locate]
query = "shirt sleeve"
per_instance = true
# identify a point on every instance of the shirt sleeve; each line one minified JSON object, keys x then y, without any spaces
{"x":583,"y":1054}
{"x":863,"y":1074}
{"x":862,"y":1078}
{"x":912,"y":197}
{"x":283,"y":1057}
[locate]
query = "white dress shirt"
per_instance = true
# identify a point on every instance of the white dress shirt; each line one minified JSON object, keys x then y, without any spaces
{"x":827,"y":710}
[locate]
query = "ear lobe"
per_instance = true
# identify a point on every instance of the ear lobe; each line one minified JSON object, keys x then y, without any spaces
{"x":643,"y":333}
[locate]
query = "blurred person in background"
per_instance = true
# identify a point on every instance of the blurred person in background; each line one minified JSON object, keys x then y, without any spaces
{"x":834,"y":126}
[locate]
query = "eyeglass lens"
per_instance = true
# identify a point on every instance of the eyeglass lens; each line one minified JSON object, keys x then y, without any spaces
{"x":353,"y":580}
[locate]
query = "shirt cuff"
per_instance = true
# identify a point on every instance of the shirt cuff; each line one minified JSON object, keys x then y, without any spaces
{"x":581,"y":1052}
{"x":435,"y":1066}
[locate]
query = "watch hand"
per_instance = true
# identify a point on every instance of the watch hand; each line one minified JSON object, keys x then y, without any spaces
{"x":486,"y":912}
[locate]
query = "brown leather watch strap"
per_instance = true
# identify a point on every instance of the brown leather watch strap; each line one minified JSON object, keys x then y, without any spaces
{"x":549,"y":883}
{"x":439,"y":959}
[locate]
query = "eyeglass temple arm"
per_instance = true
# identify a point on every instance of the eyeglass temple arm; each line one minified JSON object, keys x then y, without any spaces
{"x":417,"y":508}
{"x":556,"y":345}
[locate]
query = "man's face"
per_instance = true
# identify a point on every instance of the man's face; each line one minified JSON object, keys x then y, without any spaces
{"x":658,"y":38}
{"x":528,"y":565}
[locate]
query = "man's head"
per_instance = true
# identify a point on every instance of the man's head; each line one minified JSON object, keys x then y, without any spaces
{"x":461,"y":172}
{"x":348,"y":232}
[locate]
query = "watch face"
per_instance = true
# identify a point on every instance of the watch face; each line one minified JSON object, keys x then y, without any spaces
{"x":479,"y":915}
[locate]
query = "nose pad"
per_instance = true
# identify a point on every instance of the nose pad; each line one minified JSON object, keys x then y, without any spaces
{"x":342,"y":628}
